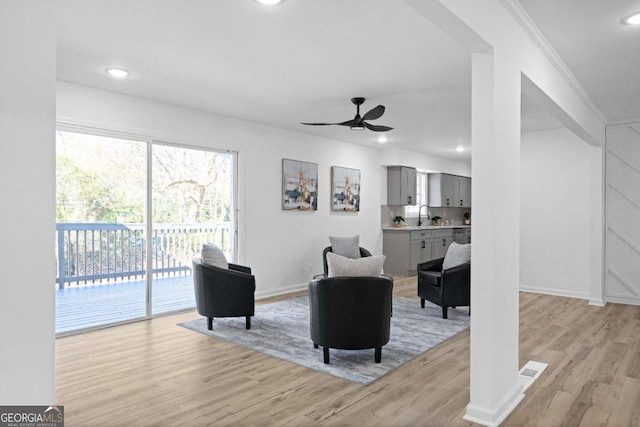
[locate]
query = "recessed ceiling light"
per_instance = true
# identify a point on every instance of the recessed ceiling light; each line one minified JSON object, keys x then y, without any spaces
{"x":118,"y":73}
{"x":269,"y":2}
{"x":633,"y":19}
{"x":459,"y":148}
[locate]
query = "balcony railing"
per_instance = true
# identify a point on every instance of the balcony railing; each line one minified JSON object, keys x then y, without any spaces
{"x":89,"y":253}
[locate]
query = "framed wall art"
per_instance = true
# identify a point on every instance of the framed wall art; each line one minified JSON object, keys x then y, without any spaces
{"x":299,"y":185}
{"x":345,"y":189}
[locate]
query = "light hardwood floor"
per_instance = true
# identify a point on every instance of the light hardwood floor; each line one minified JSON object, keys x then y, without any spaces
{"x":156,"y":373}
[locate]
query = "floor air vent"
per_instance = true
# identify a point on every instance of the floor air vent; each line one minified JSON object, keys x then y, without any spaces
{"x":530,"y":372}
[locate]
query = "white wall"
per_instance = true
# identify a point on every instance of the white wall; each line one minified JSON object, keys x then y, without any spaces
{"x":560,"y":201}
{"x":284,"y":248}
{"x":27,"y":214}
{"x":396,"y":156}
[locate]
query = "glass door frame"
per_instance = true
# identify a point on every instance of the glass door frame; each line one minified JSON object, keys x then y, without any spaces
{"x":234,"y":200}
{"x":150,"y":142}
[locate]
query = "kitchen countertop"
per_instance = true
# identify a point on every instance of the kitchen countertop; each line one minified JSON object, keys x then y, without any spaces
{"x":424,"y":227}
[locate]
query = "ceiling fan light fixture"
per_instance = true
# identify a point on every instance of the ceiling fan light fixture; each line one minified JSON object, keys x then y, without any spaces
{"x":359,"y":122}
{"x":117,"y":73}
{"x":269,"y":2}
{"x":382,"y":139}
{"x":633,"y":19}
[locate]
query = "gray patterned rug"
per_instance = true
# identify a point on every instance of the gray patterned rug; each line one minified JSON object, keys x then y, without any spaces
{"x":281,"y":330}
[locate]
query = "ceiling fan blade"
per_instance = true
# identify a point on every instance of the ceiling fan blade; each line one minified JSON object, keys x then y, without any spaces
{"x":377,"y":128}
{"x":347,"y":123}
{"x":374,"y":113}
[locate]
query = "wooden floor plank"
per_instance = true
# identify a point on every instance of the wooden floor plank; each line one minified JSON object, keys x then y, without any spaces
{"x":156,"y":373}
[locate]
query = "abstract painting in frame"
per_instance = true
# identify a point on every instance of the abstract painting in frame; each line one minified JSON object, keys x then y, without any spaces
{"x":299,"y":185}
{"x":345,"y":189}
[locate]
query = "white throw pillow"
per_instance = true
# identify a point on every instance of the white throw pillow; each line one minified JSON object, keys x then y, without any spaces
{"x":457,"y":254}
{"x":213,"y":255}
{"x":340,"y":266}
{"x":346,"y":246}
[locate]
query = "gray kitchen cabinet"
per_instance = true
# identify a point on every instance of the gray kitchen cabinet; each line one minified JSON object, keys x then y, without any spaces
{"x":405,"y":249}
{"x":449,"y":190}
{"x":441,"y":241}
{"x":462,"y":235}
{"x":396,"y":246}
{"x":459,"y":236}
{"x":401,"y":185}
{"x":441,"y":190}
{"x":464,"y":185}
{"x":421,"y":247}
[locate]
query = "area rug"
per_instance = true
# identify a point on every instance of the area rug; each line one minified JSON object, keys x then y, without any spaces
{"x":281,"y":329}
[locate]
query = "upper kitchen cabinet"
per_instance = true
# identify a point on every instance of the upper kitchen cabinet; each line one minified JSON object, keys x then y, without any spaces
{"x":401,"y":185}
{"x":464,"y":201}
{"x":449,"y":191}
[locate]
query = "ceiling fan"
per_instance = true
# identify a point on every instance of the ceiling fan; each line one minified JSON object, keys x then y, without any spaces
{"x":358,"y":122}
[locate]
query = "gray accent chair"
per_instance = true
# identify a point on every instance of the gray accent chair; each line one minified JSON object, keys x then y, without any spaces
{"x":351,"y":313}
{"x":446,"y":288}
{"x":224,"y":293}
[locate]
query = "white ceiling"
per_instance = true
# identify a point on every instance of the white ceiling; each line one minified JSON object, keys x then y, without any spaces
{"x":602,"y":53}
{"x":303,"y":60}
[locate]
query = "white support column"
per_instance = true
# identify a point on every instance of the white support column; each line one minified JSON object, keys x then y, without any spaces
{"x":27,"y":201}
{"x":495,"y":389}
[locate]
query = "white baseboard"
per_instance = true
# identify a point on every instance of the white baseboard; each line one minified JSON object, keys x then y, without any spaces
{"x":598,"y":302}
{"x":624,"y":300}
{"x":556,"y":292}
{"x":281,"y":291}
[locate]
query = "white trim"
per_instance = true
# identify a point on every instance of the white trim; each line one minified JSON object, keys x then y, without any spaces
{"x":618,"y":233}
{"x":621,"y":279}
{"x":624,"y":123}
{"x":282,"y":291}
{"x":149,"y":231}
{"x":490,"y":418}
{"x":629,"y":163}
{"x":556,"y":292}
{"x":598,"y":298}
{"x":99,"y":131}
{"x":623,"y":300}
{"x":531,"y":29}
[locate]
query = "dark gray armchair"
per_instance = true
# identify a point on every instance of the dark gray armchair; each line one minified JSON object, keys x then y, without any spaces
{"x":446,"y":288}
{"x":351,"y":313}
{"x":224,"y":293}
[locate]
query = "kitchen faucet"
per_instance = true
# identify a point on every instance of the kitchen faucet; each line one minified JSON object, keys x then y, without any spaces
{"x":419,"y":217}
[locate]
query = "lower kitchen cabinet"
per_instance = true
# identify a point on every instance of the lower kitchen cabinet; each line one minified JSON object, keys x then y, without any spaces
{"x":405,"y":249}
{"x":441,"y":241}
{"x":421,"y":247}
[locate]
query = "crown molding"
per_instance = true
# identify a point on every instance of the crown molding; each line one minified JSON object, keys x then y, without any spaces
{"x":531,"y":29}
{"x":628,"y":122}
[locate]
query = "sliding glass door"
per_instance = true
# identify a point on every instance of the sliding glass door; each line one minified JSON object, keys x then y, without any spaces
{"x":192,"y":204}
{"x":112,"y":266}
{"x":101,"y":186}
